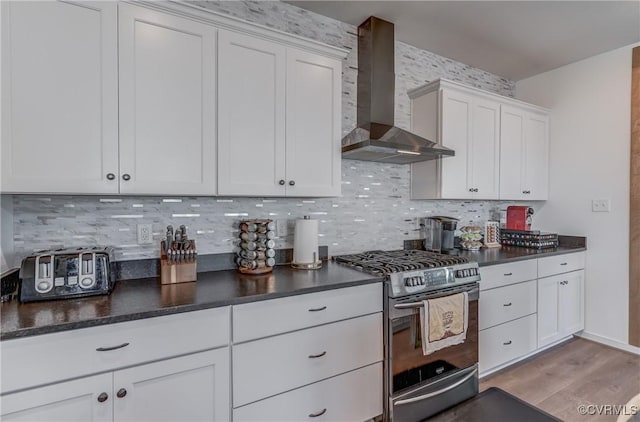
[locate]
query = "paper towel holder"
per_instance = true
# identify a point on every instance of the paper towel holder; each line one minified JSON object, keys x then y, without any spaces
{"x":311,"y":243}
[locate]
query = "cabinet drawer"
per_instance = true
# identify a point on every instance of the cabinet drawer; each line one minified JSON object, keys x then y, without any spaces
{"x":354,"y":396}
{"x":55,"y":357}
{"x":276,"y":364}
{"x":507,"y":303}
{"x":506,"y":342}
{"x":267,"y":318}
{"x":560,"y":264}
{"x":503,"y":274}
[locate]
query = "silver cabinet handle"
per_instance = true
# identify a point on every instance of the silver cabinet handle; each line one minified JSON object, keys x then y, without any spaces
{"x":317,"y":309}
{"x":319,"y":355}
{"x":320,"y":413}
{"x":437,"y":393}
{"x":281,"y":182}
{"x":563,"y":263}
{"x":121,"y":393}
{"x":292,"y":182}
{"x":126,"y":177}
{"x":106,"y":349}
{"x":103,"y":397}
{"x":508,"y":274}
{"x":507,"y":304}
{"x":507,"y":343}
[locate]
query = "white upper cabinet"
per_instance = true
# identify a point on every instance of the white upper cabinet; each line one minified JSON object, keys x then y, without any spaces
{"x":167,"y":104}
{"x":279,"y":119}
{"x":251,"y":102}
{"x":313,"y":148}
{"x":524,"y":154}
{"x":123,"y":98}
{"x":59,"y":97}
{"x":467,"y":123}
{"x":501,"y":145}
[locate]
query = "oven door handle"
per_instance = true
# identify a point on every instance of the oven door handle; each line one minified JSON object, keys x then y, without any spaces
{"x":408,"y":305}
{"x":437,"y":393}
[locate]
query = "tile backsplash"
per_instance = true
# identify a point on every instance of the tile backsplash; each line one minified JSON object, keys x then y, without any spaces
{"x":374,"y":211}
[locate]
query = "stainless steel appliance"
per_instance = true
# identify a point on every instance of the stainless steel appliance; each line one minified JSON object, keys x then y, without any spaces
{"x":418,"y":386}
{"x":438,"y":233}
{"x":65,"y":273}
{"x":376,"y":138}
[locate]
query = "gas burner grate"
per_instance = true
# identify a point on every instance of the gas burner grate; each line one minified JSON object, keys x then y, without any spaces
{"x":383,"y":263}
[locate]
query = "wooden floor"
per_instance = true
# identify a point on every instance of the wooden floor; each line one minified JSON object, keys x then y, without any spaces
{"x":574,"y":373}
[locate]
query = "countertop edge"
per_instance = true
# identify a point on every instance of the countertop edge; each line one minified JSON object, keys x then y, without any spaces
{"x":533,"y":256}
{"x":56,"y":328}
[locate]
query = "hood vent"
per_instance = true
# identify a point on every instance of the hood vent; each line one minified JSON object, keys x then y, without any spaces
{"x":376,"y":138}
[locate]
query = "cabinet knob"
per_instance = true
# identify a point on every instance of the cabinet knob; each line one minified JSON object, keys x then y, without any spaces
{"x":103,"y":397}
{"x":470,"y":189}
{"x":320,"y":413}
{"x":526,"y":192}
{"x":292,"y":182}
{"x":126,"y":177}
{"x":281,"y":182}
{"x":121,"y":393}
{"x":111,"y":176}
{"x":475,"y":189}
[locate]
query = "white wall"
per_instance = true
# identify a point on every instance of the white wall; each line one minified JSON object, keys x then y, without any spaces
{"x":6,"y":233}
{"x":589,"y":159}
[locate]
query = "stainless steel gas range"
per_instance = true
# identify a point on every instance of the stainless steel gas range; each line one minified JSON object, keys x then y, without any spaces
{"x":417,"y":386}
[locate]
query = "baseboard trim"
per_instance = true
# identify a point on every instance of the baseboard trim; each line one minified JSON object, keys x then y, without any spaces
{"x":609,"y":342}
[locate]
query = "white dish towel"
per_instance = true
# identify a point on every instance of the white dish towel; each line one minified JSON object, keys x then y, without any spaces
{"x":444,"y":322}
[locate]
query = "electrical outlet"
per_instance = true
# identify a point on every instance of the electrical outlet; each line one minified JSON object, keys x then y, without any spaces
{"x":145,"y":234}
{"x":281,"y":228}
{"x":600,"y":205}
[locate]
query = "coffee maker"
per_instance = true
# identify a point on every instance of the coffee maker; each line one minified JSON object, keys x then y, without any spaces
{"x":438,"y":233}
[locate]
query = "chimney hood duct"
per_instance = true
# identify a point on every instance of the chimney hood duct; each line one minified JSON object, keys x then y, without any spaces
{"x":376,"y":138}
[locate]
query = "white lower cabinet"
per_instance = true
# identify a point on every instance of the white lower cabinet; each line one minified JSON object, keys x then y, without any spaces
{"x":561,"y":306}
{"x":192,"y":387}
{"x":354,"y":396}
{"x":326,"y":364}
{"x":506,"y":342}
{"x":527,"y":305}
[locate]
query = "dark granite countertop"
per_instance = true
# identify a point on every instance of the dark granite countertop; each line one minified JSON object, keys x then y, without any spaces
{"x":508,"y":254}
{"x":144,"y":298}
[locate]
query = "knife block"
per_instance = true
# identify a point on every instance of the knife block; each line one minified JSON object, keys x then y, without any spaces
{"x":177,"y":271}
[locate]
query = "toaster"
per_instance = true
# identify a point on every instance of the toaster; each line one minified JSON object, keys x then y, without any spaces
{"x":67,"y":273}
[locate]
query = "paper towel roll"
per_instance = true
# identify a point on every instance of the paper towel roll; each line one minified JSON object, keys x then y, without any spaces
{"x":305,"y":243}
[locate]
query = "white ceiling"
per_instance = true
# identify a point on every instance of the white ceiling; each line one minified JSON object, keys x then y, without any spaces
{"x":516,"y":39}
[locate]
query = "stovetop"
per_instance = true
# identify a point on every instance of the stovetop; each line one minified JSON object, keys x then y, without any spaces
{"x":413,"y":271}
{"x":383,"y":263}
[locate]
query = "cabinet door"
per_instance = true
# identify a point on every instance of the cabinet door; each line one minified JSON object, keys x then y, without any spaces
{"x":485,"y":149}
{"x":313,"y":125}
{"x":188,"y":388}
{"x":549,"y":328}
{"x":167,"y":104}
{"x":512,"y":123}
{"x":536,"y":157}
{"x":69,"y":401}
{"x":59,"y":97}
{"x":456,"y":109}
{"x":251,"y":116}
{"x":572,"y":302}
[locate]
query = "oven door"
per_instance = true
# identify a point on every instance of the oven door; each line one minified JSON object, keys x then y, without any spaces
{"x":412,"y":374}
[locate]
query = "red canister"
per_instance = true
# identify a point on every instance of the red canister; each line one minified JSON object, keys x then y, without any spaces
{"x":519,"y":217}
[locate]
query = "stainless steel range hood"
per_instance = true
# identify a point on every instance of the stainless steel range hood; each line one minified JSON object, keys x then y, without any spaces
{"x":376,"y":138}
